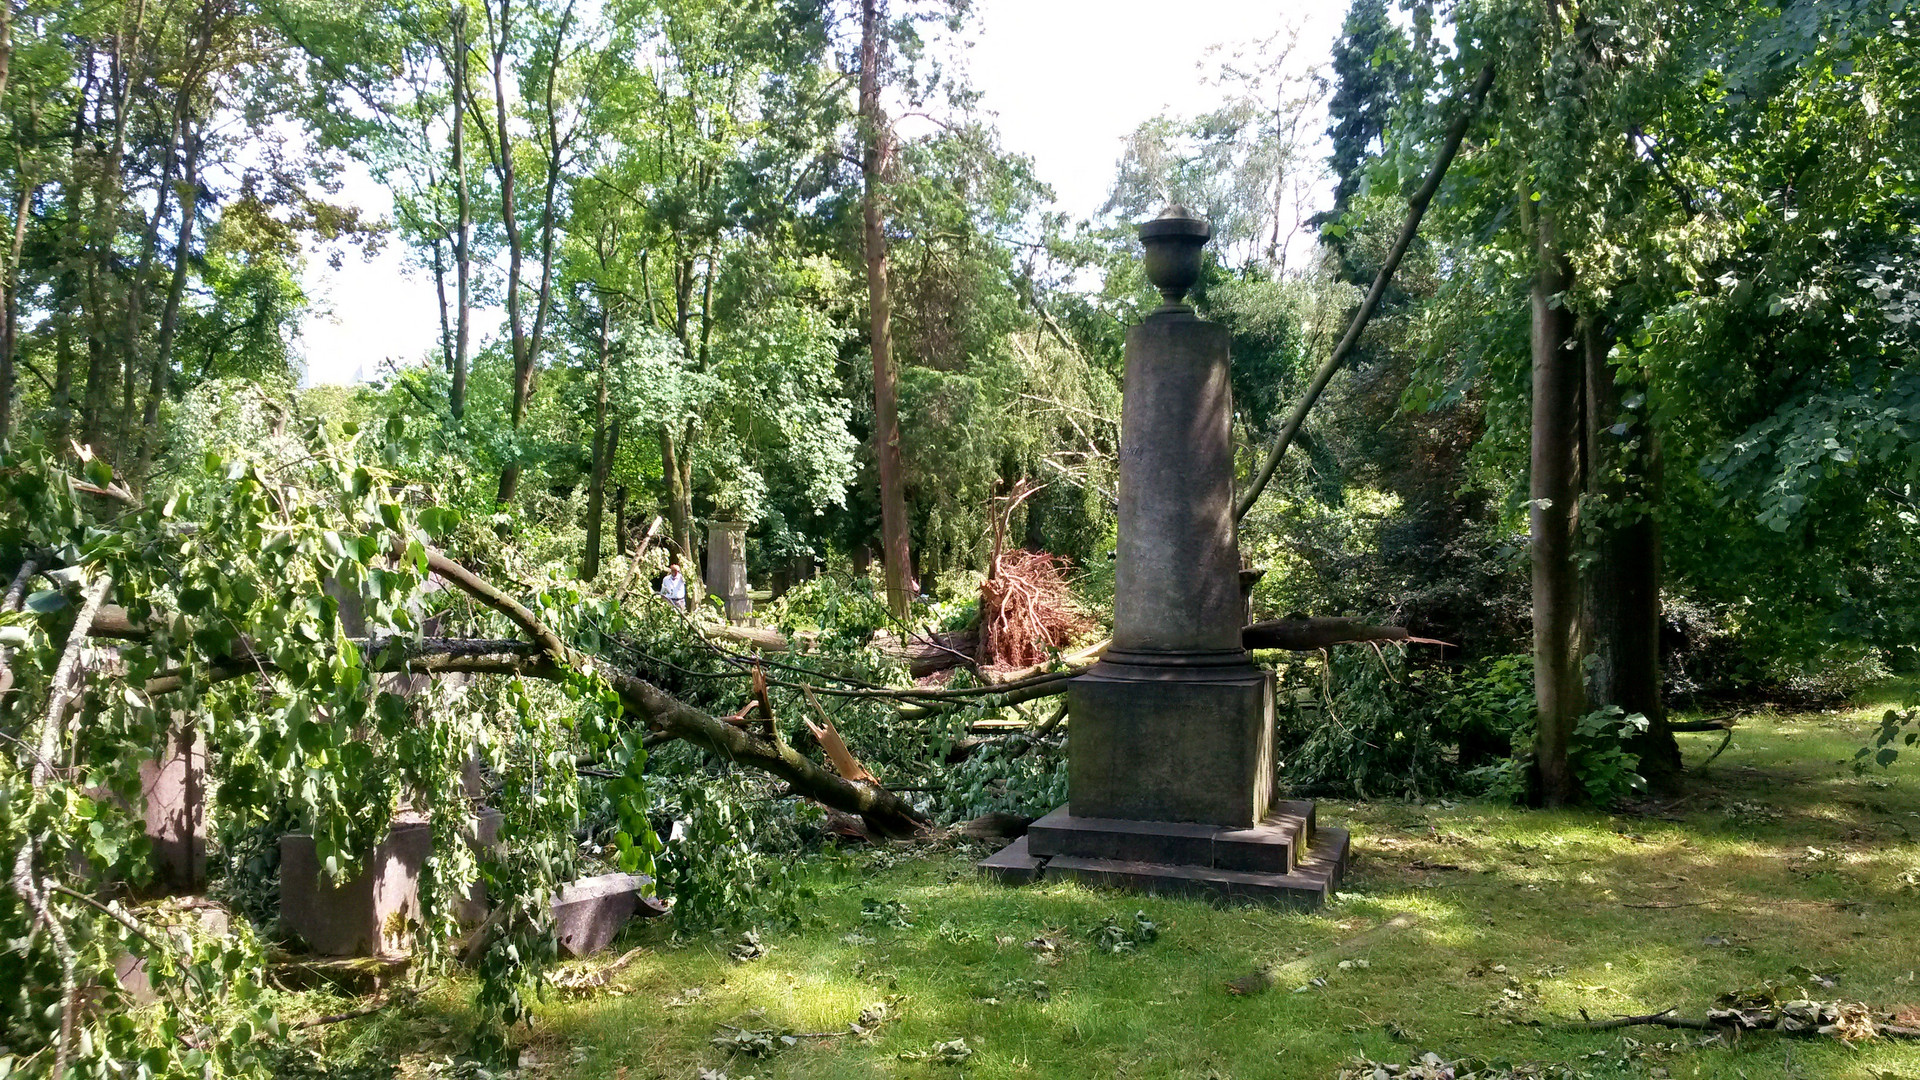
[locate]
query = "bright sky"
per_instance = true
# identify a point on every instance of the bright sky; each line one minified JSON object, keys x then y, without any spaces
{"x":1067,"y":80}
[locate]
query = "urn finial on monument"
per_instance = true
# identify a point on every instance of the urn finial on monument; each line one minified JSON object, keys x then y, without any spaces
{"x":1173,"y":242}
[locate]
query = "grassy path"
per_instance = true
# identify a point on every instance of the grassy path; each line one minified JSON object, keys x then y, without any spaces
{"x":1778,"y":863}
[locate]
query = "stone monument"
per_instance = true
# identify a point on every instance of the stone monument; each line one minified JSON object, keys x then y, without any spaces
{"x":1170,"y":761}
{"x":727,"y":567}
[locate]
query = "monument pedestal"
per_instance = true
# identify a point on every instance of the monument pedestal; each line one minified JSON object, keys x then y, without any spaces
{"x":1284,"y":859}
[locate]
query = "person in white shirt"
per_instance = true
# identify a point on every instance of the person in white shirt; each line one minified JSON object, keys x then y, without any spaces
{"x":673,"y":587}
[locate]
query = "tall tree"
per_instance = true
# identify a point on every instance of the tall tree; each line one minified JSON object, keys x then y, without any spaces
{"x":876,"y":153}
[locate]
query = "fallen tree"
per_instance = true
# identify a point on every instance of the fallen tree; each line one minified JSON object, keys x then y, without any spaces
{"x":549,"y":658}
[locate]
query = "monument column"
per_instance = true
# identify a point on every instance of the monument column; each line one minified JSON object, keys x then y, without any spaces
{"x":1176,"y":722}
{"x":727,"y":566}
{"x":1170,"y":759}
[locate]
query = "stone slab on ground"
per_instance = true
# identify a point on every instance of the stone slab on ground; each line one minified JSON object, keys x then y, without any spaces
{"x":1014,"y":864}
{"x":589,"y":913}
{"x":370,"y":914}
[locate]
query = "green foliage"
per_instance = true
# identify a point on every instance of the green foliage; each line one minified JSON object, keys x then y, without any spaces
{"x":1018,"y":775}
{"x":1375,"y":726}
{"x":1606,"y":770}
{"x":846,"y":607}
{"x":309,"y":574}
{"x":1898,"y":729}
{"x":730,"y":860}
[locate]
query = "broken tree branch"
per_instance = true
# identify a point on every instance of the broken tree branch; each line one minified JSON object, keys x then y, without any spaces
{"x":1416,"y":209}
{"x":1309,"y":634}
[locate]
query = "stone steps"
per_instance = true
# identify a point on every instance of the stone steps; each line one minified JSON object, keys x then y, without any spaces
{"x":1287,"y":858}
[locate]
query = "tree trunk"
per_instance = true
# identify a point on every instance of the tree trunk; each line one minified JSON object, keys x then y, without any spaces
{"x":604,"y":445}
{"x":9,"y":301}
{"x":66,"y":289}
{"x":462,"y":260}
{"x":886,"y":413}
{"x":170,"y":316}
{"x":1622,"y":591}
{"x":678,"y":472}
{"x":620,"y":519}
{"x":516,"y":251}
{"x":1558,"y":377}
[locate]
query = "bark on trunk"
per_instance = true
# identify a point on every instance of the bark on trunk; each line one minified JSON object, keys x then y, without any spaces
{"x":1558,"y":375}
{"x":886,"y":413}
{"x":679,"y":493}
{"x":462,"y":260}
{"x":606,"y":442}
{"x":1622,"y":591}
{"x":516,"y":251}
{"x":170,"y":316}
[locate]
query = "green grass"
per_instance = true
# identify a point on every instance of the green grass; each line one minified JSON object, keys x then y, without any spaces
{"x":1779,"y":856}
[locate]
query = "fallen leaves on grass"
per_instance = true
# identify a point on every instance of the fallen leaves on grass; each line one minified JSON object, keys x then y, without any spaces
{"x":1432,"y":1066}
{"x":582,"y":980}
{"x":886,"y":913}
{"x":951,"y":1052}
{"x":749,"y":947}
{"x":1113,"y":937}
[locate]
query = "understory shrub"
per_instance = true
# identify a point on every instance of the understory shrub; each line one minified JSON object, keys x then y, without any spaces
{"x":731,"y":857}
{"x":1372,"y":725}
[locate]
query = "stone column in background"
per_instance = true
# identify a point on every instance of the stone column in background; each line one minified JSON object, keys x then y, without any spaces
{"x":727,"y":566}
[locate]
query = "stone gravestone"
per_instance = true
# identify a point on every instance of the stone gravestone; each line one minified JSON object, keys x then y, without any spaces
{"x":727,"y":566}
{"x":1170,"y":760}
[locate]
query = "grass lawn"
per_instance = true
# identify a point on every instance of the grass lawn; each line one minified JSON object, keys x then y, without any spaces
{"x":1777,"y":858}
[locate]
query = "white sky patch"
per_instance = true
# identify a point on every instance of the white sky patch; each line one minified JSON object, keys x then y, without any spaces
{"x":1066,"y":82}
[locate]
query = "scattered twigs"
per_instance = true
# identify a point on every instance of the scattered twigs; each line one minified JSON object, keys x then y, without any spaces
{"x":1663,"y":1018}
{"x":1725,"y":742}
{"x":343,"y":1017}
{"x":1850,"y":1021}
{"x":1308,"y":634}
{"x":581,"y":981}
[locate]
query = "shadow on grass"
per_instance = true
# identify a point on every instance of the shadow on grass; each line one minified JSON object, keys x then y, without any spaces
{"x":1771,"y":862}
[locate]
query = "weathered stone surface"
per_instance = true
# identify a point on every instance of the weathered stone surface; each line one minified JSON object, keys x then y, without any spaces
{"x":174,"y":787}
{"x":1170,"y":753}
{"x":589,"y":913}
{"x":372,"y":913}
{"x":1172,"y":750}
{"x":1273,"y":846}
{"x":1309,"y":884}
{"x":1177,"y":562}
{"x":727,"y":566}
{"x":1014,"y":864}
{"x":1065,"y":833}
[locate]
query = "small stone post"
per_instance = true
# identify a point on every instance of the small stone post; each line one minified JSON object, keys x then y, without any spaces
{"x":727,"y":566}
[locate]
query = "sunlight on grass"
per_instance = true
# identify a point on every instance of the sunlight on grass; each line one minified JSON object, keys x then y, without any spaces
{"x":1779,"y":857}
